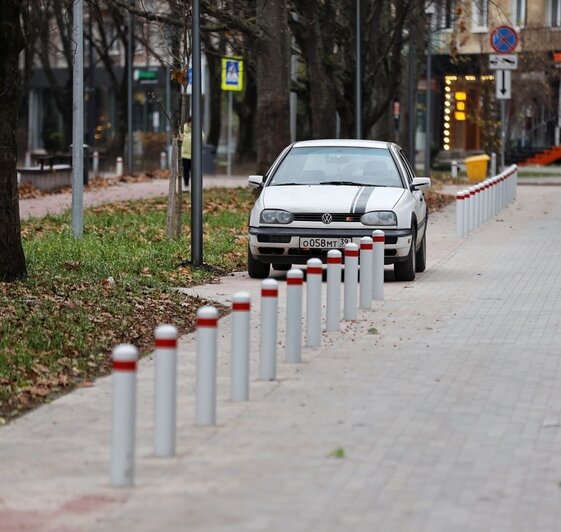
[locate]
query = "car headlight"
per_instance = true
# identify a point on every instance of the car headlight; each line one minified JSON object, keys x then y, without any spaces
{"x":379,"y":218}
{"x":274,"y":216}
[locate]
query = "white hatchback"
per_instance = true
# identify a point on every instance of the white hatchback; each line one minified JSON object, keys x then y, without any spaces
{"x":322,"y":194}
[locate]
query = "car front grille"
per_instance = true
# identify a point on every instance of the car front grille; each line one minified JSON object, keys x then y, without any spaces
{"x":316,"y":217}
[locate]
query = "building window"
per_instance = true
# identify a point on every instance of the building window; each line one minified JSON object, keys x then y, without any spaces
{"x":479,"y":15}
{"x":519,"y":13}
{"x":555,"y":13}
{"x":443,"y":17}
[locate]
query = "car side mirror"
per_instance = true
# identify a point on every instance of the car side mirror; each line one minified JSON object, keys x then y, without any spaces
{"x":255,"y":181}
{"x":420,"y":183}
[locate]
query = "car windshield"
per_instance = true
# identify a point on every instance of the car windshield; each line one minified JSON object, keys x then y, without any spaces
{"x":328,"y":165}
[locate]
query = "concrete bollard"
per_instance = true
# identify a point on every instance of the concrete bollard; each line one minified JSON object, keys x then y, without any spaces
{"x":294,"y":281}
{"x":366,"y":274}
{"x":123,"y":422}
{"x":239,"y":367}
{"x":486,"y":190}
{"x":333,"y":311}
{"x":471,"y":207}
{"x":95,"y":163}
{"x":454,"y":169}
{"x":163,"y":160}
{"x":205,"y":389}
{"x":269,"y":310}
{"x":27,"y":160}
{"x":378,"y":255}
{"x":351,"y":282}
{"x":314,"y":273}
{"x":460,"y":205}
{"x":479,"y":205}
{"x":493,"y":164}
{"x":119,"y":168}
{"x":165,"y":393}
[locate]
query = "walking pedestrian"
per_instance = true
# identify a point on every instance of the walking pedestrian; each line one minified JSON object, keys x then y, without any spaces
{"x":186,"y":151}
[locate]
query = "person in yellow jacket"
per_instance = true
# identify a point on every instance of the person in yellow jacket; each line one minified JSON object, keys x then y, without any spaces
{"x":186,"y":151}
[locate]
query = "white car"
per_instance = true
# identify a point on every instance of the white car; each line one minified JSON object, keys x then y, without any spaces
{"x":322,"y":194}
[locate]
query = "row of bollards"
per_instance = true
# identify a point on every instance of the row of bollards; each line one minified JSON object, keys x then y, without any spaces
{"x":479,"y":203}
{"x":356,"y":293}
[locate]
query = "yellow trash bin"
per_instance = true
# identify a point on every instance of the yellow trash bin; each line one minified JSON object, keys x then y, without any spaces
{"x":476,"y":167}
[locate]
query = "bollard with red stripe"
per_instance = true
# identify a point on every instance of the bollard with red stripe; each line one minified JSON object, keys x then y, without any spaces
{"x":269,"y":310}
{"x":205,"y":388}
{"x":123,"y":422}
{"x":333,"y":311}
{"x":351,"y":282}
{"x":366,"y":274}
{"x":460,"y":205}
{"x":314,"y":273}
{"x":471,"y":209}
{"x":165,"y":380}
{"x":466,"y":212}
{"x":378,"y":256}
{"x":239,"y":368}
{"x":294,"y":281}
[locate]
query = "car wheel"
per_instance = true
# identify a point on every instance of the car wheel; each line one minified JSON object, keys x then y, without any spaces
{"x":405,"y":271}
{"x":282,"y":267}
{"x":421,"y":258}
{"x":255,"y":268}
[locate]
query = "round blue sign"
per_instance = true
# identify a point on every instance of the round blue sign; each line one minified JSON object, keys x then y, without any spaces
{"x":504,"y":39}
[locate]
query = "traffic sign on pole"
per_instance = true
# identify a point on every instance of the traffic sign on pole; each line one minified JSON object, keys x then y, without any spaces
{"x":503,"y":85}
{"x":503,"y":61}
{"x":232,"y":74}
{"x":504,"y":39}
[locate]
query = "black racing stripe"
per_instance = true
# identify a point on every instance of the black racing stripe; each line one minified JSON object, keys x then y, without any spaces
{"x":360,"y":206}
{"x":355,"y":199}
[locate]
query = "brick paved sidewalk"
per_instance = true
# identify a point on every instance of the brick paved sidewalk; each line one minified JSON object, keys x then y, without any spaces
{"x":449,"y":417}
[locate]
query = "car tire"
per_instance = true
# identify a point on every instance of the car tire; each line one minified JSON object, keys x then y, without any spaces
{"x":405,"y":271}
{"x":421,"y":258}
{"x":255,"y":268}
{"x":282,"y":267}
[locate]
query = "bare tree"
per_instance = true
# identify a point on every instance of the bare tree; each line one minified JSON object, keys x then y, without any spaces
{"x":12,"y":259}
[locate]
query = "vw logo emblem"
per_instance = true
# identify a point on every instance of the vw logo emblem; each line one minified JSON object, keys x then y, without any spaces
{"x":326,"y":218}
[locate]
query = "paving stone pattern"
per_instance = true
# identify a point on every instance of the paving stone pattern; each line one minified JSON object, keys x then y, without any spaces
{"x":448,"y":415}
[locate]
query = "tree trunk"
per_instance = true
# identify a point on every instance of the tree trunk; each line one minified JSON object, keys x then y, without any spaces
{"x":273,"y":81}
{"x":12,"y":259}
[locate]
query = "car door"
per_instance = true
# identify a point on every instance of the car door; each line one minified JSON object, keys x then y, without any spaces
{"x":419,"y":199}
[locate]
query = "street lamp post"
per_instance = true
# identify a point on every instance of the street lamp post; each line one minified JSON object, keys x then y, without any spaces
{"x":428,"y":129}
{"x":358,"y":97}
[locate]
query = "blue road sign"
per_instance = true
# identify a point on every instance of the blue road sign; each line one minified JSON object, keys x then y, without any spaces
{"x":504,"y":39}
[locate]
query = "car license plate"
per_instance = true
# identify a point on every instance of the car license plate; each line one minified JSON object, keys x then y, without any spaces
{"x":324,"y":243}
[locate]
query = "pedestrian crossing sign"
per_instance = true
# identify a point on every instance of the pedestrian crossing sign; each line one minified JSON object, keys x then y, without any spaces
{"x":232,"y":74}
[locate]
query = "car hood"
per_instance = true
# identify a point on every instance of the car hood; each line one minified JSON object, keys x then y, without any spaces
{"x":330,"y":198}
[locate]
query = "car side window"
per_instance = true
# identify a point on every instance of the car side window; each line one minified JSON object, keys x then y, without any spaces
{"x":408,"y":170}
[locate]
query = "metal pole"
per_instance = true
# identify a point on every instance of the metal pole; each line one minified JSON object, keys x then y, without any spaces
{"x":503,"y":133}
{"x":358,"y":97}
{"x":293,"y":97}
{"x":78,"y":121}
{"x":130,"y":56}
{"x":230,"y":104}
{"x":411,"y":98}
{"x":428,"y":130}
{"x":197,"y":177}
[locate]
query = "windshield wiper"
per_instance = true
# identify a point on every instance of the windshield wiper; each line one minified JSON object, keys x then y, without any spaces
{"x":352,"y":183}
{"x":288,"y":184}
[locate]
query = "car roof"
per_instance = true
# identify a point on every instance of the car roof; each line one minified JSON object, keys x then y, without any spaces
{"x":346,"y":143}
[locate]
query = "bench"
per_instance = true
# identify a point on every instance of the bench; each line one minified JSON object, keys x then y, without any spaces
{"x":46,"y":179}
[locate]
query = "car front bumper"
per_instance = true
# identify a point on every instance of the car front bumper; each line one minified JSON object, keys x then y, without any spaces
{"x":281,"y":245}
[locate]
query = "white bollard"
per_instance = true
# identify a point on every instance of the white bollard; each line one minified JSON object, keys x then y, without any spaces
{"x":205,"y":392}
{"x":165,"y":393}
{"x":493,"y":164}
{"x":486,"y":191}
{"x":454,"y":169}
{"x":95,"y":163}
{"x":119,"y":168}
{"x":460,"y":205}
{"x":269,"y":310}
{"x":123,"y":423}
{"x":239,"y":368}
{"x":466,"y":211}
{"x":366,"y":274}
{"x":351,"y":282}
{"x":480,"y":199}
{"x":314,"y":273}
{"x":27,"y":160}
{"x":471,"y":203}
{"x":378,"y":256}
{"x":294,"y":281}
{"x":333,"y":311}
{"x":163,"y":160}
